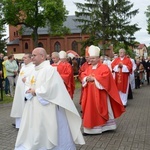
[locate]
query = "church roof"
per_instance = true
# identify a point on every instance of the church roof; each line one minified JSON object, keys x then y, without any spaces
{"x":69,"y":23}
{"x":14,"y":42}
{"x":141,"y":46}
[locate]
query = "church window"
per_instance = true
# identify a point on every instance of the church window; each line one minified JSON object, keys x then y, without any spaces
{"x":57,"y":47}
{"x":14,"y":49}
{"x":40,"y":44}
{"x":26,"y":45}
{"x":75,"y":46}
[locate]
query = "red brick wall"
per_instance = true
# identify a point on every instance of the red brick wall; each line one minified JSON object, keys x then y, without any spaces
{"x":47,"y":41}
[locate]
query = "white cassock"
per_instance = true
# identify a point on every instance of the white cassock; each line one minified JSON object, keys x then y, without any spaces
{"x":132,"y":77}
{"x":18,"y":101}
{"x":50,"y":119}
{"x":108,"y":63}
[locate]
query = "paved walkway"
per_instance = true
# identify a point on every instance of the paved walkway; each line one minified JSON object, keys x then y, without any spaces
{"x":133,"y":132}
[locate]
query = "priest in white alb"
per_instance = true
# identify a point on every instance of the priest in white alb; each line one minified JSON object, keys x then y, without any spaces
{"x":19,"y":97}
{"x":50,"y":119}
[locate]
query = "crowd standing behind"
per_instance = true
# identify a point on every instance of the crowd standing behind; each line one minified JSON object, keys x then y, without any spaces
{"x":11,"y":72}
{"x":140,"y":72}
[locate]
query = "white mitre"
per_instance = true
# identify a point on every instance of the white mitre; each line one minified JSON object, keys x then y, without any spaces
{"x":94,"y":50}
{"x":62,"y":54}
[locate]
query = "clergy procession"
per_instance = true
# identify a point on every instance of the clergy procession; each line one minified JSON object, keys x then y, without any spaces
{"x":43,"y":88}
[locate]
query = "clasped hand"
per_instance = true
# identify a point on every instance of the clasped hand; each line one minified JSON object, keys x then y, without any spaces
{"x":32,"y":91}
{"x":120,"y":65}
{"x":90,"y":79}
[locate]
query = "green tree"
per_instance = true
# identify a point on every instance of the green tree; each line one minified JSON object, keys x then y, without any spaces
{"x":108,"y":20}
{"x":2,"y":35}
{"x":129,"y":50}
{"x":148,"y":50}
{"x":148,"y":18}
{"x":35,"y":14}
{"x":2,"y":40}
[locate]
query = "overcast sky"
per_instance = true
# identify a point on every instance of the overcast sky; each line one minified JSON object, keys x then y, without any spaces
{"x":141,"y":36}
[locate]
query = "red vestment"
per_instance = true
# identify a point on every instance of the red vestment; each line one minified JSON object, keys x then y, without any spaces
{"x":94,"y":101}
{"x":121,"y":78}
{"x":66,"y":72}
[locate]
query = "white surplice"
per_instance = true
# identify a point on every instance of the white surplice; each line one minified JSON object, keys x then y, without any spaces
{"x":40,"y":126}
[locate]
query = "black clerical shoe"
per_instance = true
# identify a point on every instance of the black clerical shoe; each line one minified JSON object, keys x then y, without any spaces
{"x":14,"y":125}
{"x":85,"y":134}
{"x":125,"y":106}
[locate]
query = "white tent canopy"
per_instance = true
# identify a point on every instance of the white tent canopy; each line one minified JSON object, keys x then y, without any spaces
{"x":19,"y":56}
{"x":72,"y":54}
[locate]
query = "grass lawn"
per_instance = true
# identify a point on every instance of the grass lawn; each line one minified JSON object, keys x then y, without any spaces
{"x":77,"y":84}
{"x":8,"y":99}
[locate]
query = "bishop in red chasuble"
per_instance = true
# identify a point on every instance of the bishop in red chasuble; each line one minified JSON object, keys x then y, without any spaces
{"x":101,"y":102}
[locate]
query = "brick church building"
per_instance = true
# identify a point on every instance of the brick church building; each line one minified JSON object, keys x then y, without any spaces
{"x":23,"y":43}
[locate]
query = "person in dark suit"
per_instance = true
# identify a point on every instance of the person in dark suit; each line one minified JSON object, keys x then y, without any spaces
{"x":148,"y":70}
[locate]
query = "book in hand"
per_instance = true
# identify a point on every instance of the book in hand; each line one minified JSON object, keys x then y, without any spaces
{"x":28,"y":96}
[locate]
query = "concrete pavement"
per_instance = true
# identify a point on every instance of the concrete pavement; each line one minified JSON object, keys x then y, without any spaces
{"x":132,"y":133}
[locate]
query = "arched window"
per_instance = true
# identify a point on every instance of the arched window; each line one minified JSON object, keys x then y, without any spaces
{"x":75,"y":46}
{"x":14,"y":49}
{"x":26,"y":45}
{"x":17,"y":33}
{"x":57,"y":47}
{"x":40,"y":44}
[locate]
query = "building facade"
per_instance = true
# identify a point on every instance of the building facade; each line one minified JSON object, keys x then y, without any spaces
{"x":140,"y":50}
{"x":23,"y":43}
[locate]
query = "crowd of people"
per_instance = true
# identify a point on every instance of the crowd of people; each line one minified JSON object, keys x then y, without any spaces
{"x":42,"y":87}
